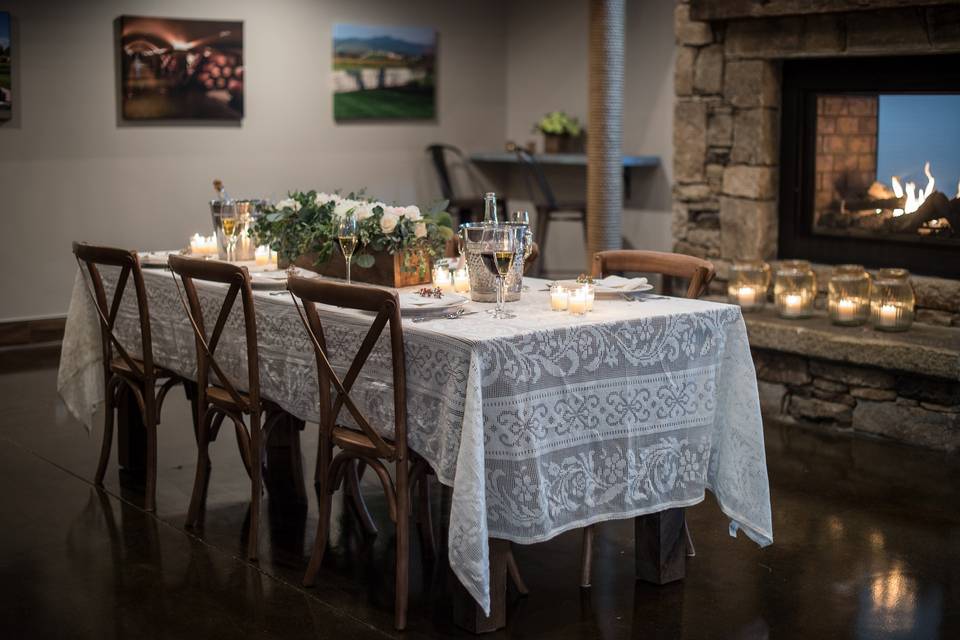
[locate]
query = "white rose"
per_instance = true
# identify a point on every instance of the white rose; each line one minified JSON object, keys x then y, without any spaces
{"x":389,"y":220}
{"x":420,"y":229}
{"x":363,"y":211}
{"x":344,"y":208}
{"x":323,"y":198}
{"x":289,"y":203}
{"x":412,"y":213}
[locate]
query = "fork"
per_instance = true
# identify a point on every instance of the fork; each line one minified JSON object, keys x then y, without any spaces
{"x":459,"y":313}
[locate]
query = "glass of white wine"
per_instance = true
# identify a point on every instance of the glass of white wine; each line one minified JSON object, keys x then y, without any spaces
{"x":498,"y":254}
{"x":347,"y":235}
{"x":230,"y":223}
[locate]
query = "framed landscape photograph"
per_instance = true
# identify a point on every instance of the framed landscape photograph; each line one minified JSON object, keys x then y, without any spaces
{"x":384,"y":73}
{"x":175,"y":69}
{"x":6,"y":62}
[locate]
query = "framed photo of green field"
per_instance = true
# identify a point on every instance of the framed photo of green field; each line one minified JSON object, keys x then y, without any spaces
{"x":384,"y":73}
{"x":6,"y":61}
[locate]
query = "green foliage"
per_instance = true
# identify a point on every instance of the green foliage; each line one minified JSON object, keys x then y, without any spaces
{"x":307,"y":222}
{"x":558,"y":123}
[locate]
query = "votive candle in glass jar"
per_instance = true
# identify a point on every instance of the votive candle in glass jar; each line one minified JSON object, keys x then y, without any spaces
{"x":461,"y":280}
{"x":443,"y":278}
{"x":747,"y":287}
{"x":892,"y":301}
{"x":795,"y":289}
{"x":589,"y":294}
{"x":577,"y":301}
{"x":848,"y":295}
{"x":558,"y":297}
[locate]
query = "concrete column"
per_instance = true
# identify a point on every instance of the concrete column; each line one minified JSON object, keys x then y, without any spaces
{"x":605,"y":128}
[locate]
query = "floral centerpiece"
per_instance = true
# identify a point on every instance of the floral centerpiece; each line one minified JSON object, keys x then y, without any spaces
{"x":395,"y":244}
{"x":561,"y":132}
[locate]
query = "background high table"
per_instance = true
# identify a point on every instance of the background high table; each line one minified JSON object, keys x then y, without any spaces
{"x":540,"y":424}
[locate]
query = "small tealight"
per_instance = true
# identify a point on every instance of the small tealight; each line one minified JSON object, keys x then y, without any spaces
{"x":589,"y":293}
{"x":559,"y":298}
{"x":461,"y":280}
{"x":262,"y":256}
{"x":442,"y":278}
{"x":577,"y":302}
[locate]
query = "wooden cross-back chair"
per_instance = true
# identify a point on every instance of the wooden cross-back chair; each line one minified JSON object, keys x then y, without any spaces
{"x":120,"y":367}
{"x":698,"y":272}
{"x":363,"y":442}
{"x":218,"y":398}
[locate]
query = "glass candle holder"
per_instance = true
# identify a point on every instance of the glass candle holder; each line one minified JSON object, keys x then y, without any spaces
{"x":577,"y":301}
{"x":892,"y":300}
{"x":848,"y":295}
{"x":443,"y":278}
{"x":461,"y":280}
{"x":795,"y":289}
{"x":558,"y":297}
{"x":589,"y":294}
{"x":747,"y":287}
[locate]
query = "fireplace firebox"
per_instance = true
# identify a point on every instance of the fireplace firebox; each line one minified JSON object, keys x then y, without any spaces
{"x":870,"y":162}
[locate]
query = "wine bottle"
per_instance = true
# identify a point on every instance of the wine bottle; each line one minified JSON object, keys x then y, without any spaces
{"x":490,"y":208}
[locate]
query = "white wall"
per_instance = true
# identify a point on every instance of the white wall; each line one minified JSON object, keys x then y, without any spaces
{"x":547,"y":66}
{"x":69,"y":170}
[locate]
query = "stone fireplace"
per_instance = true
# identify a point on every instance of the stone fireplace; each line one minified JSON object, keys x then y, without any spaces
{"x":755,"y":177}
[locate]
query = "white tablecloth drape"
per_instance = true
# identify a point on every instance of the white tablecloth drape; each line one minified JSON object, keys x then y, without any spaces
{"x":541,"y":424}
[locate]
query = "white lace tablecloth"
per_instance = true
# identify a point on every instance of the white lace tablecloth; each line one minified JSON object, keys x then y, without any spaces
{"x":541,"y":424}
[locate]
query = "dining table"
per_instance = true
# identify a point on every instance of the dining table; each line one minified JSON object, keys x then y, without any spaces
{"x":539,"y":424}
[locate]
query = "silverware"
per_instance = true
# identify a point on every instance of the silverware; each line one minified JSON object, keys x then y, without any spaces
{"x":459,"y":313}
{"x":281,"y":292}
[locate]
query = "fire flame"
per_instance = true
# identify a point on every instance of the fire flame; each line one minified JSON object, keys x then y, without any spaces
{"x":915,"y":197}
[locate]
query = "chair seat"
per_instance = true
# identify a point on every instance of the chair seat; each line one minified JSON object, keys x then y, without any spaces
{"x":122,"y":367}
{"x":222,"y":398}
{"x":354,"y":441}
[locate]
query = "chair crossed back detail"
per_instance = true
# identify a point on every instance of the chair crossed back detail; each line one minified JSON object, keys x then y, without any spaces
{"x":535,"y":170}
{"x":700,"y":272}
{"x":238,"y":279}
{"x":90,"y":258}
{"x":438,"y":154}
{"x":387,"y":307}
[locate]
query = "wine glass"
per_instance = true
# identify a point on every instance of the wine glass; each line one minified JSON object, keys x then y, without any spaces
{"x":230,"y":223}
{"x":347,"y":235}
{"x":499,"y":250}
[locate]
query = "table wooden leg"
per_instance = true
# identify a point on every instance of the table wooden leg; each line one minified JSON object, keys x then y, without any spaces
{"x":661,"y":546}
{"x":131,"y":436}
{"x":467,"y":614}
{"x":284,"y":460}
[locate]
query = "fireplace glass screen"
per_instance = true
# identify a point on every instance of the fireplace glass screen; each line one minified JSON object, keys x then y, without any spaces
{"x":888,"y":165}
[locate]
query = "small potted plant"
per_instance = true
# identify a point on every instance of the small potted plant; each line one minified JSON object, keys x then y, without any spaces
{"x":561,"y":132}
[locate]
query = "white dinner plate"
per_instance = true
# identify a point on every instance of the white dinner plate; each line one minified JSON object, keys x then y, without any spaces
{"x":413,"y":303}
{"x":268,"y":279}
{"x":612,"y":285}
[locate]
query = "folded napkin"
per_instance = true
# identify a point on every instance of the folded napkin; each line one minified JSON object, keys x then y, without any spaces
{"x":416,"y":300}
{"x":621,"y":284}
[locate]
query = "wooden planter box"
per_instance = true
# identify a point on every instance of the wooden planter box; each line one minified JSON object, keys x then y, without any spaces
{"x":387,"y":270}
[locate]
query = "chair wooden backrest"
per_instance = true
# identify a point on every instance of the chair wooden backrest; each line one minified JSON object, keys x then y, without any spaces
{"x":386,"y":305}
{"x":699,"y":271}
{"x":90,"y":258}
{"x":238,"y":279}
{"x":438,"y":154}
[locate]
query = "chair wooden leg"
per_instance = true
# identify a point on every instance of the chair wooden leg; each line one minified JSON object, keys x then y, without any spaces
{"x":150,"y":424}
{"x":353,"y":473}
{"x":256,"y":488}
{"x":202,"y":475}
{"x":109,"y":411}
{"x":403,"y":545}
{"x":586,"y":556}
{"x":325,"y":492}
{"x":543,"y":221}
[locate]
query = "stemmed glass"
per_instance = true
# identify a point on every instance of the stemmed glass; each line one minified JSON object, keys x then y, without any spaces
{"x":230,"y":223}
{"x":499,"y":250}
{"x":347,"y":235}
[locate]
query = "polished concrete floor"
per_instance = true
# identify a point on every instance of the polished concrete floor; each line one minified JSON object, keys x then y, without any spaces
{"x":867,"y":546}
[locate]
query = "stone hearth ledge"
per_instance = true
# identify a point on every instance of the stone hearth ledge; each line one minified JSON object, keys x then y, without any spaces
{"x":924,"y":349}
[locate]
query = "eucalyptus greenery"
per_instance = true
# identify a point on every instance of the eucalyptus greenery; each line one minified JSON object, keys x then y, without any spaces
{"x":558,"y":123}
{"x":307,"y":223}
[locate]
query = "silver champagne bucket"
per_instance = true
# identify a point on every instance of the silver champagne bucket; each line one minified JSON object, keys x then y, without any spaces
{"x":483,"y":284}
{"x":247,"y":211}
